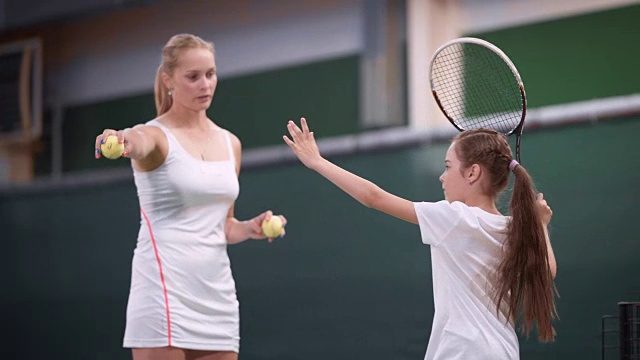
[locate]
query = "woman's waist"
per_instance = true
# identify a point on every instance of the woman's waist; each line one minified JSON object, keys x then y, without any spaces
{"x":178,"y":236}
{"x":184,"y":268}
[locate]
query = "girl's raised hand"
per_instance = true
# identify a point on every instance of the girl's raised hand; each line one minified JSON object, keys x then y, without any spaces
{"x":303,"y":143}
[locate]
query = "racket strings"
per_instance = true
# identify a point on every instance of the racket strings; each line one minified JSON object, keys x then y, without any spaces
{"x":476,"y":88}
{"x":447,"y":76}
{"x":461,"y":105}
{"x":469,"y":105}
{"x":494,"y":82}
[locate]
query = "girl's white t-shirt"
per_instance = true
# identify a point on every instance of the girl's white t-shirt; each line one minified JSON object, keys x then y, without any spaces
{"x":466,"y":246}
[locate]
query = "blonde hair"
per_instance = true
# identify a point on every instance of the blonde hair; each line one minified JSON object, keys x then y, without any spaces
{"x":170,"y":57}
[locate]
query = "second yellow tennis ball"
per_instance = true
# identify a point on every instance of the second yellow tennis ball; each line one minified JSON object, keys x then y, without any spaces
{"x":273,"y":227}
{"x":112,"y":149}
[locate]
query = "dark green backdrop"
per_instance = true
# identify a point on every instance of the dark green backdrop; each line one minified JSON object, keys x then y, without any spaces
{"x":563,"y":60}
{"x":578,"y":58}
{"x":256,"y":107}
{"x":346,"y":282}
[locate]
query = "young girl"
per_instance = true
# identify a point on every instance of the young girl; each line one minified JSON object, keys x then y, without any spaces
{"x":489,"y":270}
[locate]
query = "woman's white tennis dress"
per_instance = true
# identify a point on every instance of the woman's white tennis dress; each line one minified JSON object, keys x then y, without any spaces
{"x":182,"y":290}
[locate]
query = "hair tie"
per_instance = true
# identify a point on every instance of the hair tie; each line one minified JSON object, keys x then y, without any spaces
{"x":513,"y":164}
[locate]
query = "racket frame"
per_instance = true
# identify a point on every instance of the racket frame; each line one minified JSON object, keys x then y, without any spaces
{"x":466,"y":40}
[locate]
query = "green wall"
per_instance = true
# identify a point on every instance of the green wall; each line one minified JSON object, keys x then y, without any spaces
{"x":564,"y":60}
{"x":255,"y":107}
{"x":576,"y":58}
{"x":347,"y":282}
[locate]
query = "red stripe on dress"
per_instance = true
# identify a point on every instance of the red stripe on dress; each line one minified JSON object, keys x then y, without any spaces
{"x":164,"y":285}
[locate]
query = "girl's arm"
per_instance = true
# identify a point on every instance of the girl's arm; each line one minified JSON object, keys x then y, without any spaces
{"x":303,"y":144}
{"x":546,"y":213}
{"x":550,"y":255}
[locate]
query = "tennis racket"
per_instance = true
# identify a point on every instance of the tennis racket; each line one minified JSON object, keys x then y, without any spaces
{"x":477,"y":86}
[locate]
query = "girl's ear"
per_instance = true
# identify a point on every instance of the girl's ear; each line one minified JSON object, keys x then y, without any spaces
{"x":473,"y":173}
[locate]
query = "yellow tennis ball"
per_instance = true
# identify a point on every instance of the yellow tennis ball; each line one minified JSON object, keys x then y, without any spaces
{"x":112,"y":149}
{"x":273,"y":227}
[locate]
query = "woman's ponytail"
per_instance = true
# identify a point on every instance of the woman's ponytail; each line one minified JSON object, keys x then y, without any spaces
{"x":161,"y":94}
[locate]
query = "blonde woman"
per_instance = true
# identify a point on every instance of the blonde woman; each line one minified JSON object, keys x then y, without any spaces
{"x":182,"y":302}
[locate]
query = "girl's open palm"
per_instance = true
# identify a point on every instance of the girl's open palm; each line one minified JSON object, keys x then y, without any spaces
{"x":303,"y":143}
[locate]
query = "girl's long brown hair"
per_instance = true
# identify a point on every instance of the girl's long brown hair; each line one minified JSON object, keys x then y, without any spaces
{"x":170,"y":57}
{"x":524,"y":282}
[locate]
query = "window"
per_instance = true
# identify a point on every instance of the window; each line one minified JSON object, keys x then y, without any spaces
{"x":21,"y":90}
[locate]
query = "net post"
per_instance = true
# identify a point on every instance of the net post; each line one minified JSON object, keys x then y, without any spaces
{"x":629,"y":315}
